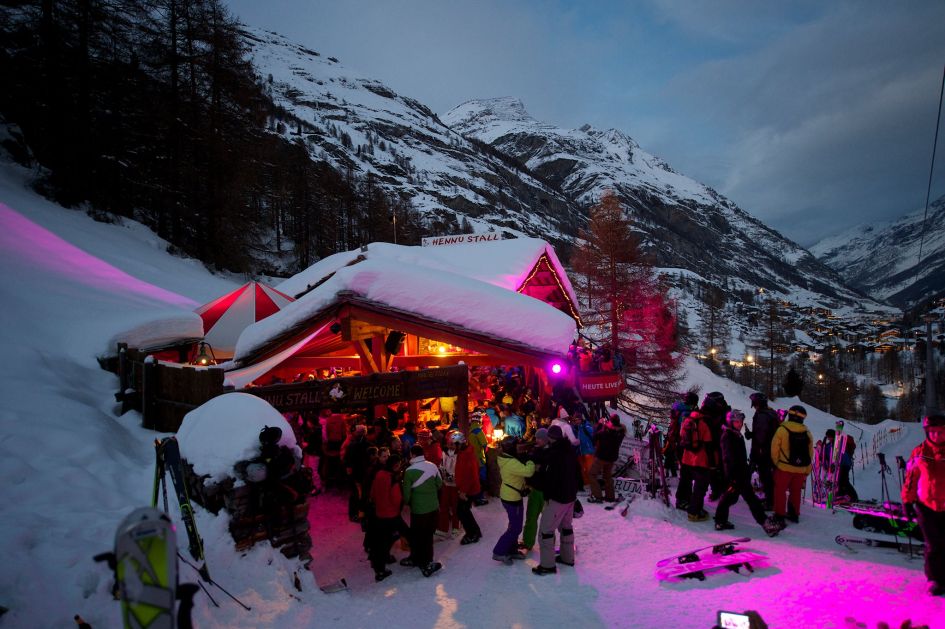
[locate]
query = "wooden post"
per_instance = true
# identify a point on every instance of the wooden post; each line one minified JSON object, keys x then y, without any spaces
{"x":462,"y":411}
{"x":149,"y":392}
{"x":380,"y":360}
{"x":122,"y":370}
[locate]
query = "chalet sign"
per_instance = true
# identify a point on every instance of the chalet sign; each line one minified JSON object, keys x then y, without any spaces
{"x":597,"y":387}
{"x":438,"y":241}
{"x":365,"y":391}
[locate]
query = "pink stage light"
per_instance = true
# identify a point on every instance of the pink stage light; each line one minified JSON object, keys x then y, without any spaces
{"x":556,"y":368}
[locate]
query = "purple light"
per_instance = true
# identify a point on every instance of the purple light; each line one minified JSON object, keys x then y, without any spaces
{"x":556,"y":368}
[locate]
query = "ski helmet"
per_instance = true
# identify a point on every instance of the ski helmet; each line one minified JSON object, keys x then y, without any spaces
{"x":734,"y":415}
{"x":933,"y":421}
{"x":458,"y":438}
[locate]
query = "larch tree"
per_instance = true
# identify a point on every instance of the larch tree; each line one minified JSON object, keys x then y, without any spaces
{"x":628,"y":309}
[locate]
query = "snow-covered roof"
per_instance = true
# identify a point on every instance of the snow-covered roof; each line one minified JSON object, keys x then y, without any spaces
{"x":435,"y":294}
{"x":503,"y":263}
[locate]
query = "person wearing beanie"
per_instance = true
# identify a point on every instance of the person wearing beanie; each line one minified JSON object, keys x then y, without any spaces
{"x":764,"y":423}
{"x":698,"y":459}
{"x":608,"y":436}
{"x":467,"y":485}
{"x":421,"y":488}
{"x":923,"y":494}
{"x":674,"y":447}
{"x":737,"y":476}
{"x":476,"y":439}
{"x":792,"y":450}
{"x":559,"y":483}
{"x":512,"y":494}
{"x":536,"y":497}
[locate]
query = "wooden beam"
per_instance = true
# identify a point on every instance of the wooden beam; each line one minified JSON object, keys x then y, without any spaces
{"x":367,"y":360}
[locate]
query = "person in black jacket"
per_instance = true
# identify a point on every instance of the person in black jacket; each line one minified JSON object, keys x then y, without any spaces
{"x":714,"y":407}
{"x":763,"y":425}
{"x":608,"y":436}
{"x":560,"y":483}
{"x":737,"y":477}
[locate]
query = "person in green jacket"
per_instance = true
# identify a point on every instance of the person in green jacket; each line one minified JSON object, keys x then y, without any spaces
{"x":476,"y":439}
{"x":514,"y":472}
{"x":421,"y":489}
{"x":536,"y":497}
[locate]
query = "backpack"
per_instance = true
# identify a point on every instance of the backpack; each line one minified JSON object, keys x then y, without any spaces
{"x":798,"y":449}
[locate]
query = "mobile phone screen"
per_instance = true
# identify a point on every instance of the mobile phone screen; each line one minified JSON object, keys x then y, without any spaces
{"x":732,"y":620}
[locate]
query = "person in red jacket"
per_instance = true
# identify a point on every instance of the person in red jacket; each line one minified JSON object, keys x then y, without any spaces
{"x":466,"y":477}
{"x":699,"y":455}
{"x":432,"y":451}
{"x":387,"y":500}
{"x":923,"y":494}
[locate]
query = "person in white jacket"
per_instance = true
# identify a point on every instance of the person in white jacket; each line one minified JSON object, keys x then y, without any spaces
{"x":565,"y":425}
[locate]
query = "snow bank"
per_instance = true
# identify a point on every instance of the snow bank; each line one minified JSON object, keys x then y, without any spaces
{"x":225,"y":430}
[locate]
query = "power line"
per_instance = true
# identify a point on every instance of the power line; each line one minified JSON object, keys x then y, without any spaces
{"x":928,"y":190}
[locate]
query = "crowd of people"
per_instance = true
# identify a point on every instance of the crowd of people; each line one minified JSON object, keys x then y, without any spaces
{"x":439,"y":473}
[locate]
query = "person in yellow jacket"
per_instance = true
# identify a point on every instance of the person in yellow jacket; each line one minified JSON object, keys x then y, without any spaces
{"x":792,"y":450}
{"x":514,"y":472}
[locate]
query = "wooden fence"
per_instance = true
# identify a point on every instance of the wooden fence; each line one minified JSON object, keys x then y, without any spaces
{"x":163,"y":392}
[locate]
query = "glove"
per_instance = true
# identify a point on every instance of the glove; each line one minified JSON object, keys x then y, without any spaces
{"x":910,"y":510}
{"x":748,"y":434}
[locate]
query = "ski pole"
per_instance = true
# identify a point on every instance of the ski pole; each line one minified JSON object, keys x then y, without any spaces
{"x":213,"y":583}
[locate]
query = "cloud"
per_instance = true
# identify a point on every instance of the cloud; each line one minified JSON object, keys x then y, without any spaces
{"x":831,"y":122}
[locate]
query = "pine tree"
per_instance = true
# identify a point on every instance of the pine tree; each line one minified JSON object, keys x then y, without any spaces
{"x":793,"y":383}
{"x":629,"y":310}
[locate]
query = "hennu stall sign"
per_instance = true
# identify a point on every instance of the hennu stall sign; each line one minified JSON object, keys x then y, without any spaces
{"x":438,"y":241}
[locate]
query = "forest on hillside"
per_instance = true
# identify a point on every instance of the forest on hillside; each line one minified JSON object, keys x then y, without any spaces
{"x":150,"y":109}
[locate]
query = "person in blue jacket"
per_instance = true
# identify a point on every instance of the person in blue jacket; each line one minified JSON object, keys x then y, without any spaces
{"x":585,"y":433}
{"x":513,"y":425}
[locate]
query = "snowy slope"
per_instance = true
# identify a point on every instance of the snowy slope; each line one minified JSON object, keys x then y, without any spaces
{"x":359,"y":123}
{"x":883,"y":259}
{"x":72,"y":469}
{"x":683,"y":223}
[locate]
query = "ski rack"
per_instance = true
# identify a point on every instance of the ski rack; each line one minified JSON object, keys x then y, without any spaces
{"x":167,"y":459}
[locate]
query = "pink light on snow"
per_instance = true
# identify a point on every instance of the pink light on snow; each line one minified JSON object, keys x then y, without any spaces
{"x":41,"y":249}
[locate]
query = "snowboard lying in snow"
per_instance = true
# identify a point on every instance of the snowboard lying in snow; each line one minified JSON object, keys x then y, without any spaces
{"x":693,"y":565}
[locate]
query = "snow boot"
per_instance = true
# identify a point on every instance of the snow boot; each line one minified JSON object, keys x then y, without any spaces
{"x":517,"y":555}
{"x":771,"y":527}
{"x":594,"y":500}
{"x":380,"y":576}
{"x":502,"y":559}
{"x":936,"y":588}
{"x":724,"y":526}
{"x":407,"y":562}
{"x":558,"y":559}
{"x":430,"y":568}
{"x":698,"y":517}
{"x":469,"y":539}
{"x":541,"y":570}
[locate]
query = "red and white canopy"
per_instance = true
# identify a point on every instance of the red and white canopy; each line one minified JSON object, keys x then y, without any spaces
{"x":225,"y":318}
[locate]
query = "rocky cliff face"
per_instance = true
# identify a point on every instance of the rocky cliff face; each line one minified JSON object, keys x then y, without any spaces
{"x":683,"y":223}
{"x":883,"y":260}
{"x":360,"y":124}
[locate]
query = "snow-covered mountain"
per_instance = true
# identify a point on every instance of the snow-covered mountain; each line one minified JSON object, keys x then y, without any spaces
{"x":883,"y":259}
{"x":360,"y":124}
{"x":683,"y":223}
